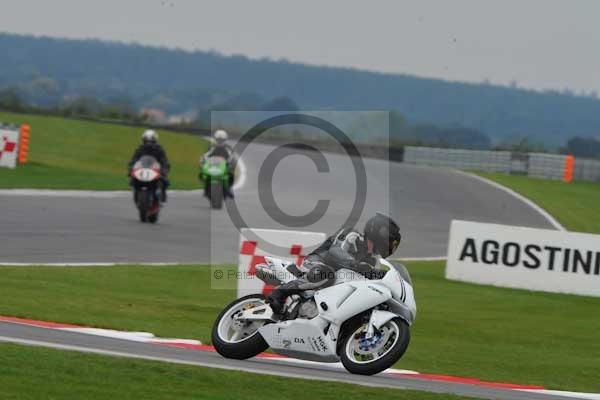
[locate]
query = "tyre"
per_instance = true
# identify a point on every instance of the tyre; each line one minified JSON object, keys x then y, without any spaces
{"x":216,"y":195}
{"x":141,"y":204}
{"x":238,"y":340}
{"x":370,"y":356}
{"x":153,"y":218}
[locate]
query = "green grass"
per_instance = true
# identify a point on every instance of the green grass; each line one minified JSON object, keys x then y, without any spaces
{"x":461,"y":329}
{"x":37,"y":373}
{"x":72,"y":154}
{"x":167,"y":301}
{"x":575,"y":205}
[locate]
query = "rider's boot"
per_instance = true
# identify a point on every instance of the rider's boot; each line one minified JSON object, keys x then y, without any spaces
{"x":164,"y":185}
{"x":229,"y":188}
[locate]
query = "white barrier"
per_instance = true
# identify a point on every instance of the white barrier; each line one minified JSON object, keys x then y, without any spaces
{"x":257,"y":243}
{"x":483,"y":160}
{"x":9,"y":145}
{"x":524,"y":258}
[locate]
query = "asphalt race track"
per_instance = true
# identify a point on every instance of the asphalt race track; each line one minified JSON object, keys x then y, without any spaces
{"x":108,"y":346}
{"x":103,"y":227}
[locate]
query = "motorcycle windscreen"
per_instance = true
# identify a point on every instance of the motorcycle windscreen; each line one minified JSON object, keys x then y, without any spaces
{"x":147,"y":162}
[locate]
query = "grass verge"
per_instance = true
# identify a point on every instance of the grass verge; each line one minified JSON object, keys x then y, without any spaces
{"x":461,"y":329}
{"x":71,"y":375}
{"x":574,"y":205}
{"x":73,"y":154}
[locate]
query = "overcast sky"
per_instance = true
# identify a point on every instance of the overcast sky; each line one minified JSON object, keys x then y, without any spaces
{"x":538,"y":43}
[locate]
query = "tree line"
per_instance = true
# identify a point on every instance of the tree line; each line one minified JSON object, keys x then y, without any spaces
{"x":73,"y":74}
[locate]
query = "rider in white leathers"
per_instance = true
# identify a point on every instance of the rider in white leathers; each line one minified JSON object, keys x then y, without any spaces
{"x":348,"y":249}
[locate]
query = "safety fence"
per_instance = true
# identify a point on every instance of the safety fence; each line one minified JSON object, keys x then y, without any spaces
{"x":586,"y":170}
{"x":490,"y":161}
{"x":538,"y":165}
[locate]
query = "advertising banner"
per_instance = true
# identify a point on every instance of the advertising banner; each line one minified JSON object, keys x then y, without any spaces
{"x":524,"y":258}
{"x":9,"y":145}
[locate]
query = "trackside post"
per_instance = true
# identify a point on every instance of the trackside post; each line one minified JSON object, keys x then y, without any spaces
{"x":24,"y":144}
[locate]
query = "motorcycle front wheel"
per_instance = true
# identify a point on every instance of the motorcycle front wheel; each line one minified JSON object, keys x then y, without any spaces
{"x":141,"y":204}
{"x":235,"y":339}
{"x":363,"y":356}
{"x":153,"y":218}
{"x":216,"y":195}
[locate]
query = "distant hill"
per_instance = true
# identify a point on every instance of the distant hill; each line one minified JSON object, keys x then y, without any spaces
{"x":49,"y":71}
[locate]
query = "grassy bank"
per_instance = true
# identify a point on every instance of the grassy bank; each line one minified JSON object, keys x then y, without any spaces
{"x":575,"y":205}
{"x":36,"y":373}
{"x":73,"y":154}
{"x":461,"y":329}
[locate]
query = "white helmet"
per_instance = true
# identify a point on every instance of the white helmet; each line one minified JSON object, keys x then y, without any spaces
{"x":150,"y":136}
{"x":220,"y":136}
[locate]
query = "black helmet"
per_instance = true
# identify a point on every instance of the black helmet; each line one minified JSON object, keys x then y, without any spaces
{"x":384,"y":233}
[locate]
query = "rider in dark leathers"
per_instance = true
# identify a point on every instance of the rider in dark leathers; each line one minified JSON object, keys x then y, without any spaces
{"x":348,"y":249}
{"x":151,"y":147}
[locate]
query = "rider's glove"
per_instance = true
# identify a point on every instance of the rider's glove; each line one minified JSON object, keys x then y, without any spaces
{"x":369,"y":272}
{"x":378,"y":274}
{"x":364,"y":268}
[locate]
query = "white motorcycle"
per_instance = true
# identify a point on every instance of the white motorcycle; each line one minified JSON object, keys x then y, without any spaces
{"x":362,"y":323}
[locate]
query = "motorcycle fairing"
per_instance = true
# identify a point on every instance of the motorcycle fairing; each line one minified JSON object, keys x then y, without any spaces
{"x":302,"y":338}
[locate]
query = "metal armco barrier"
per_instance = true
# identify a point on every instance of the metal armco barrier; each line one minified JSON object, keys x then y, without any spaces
{"x":549,"y":166}
{"x":490,"y":161}
{"x":586,"y":170}
{"x":537,"y":165}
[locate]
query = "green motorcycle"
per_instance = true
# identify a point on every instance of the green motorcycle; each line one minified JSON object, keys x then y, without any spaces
{"x":215,"y":175}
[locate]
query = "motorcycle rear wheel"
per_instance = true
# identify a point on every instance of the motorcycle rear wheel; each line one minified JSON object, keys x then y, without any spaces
{"x":238,"y":342}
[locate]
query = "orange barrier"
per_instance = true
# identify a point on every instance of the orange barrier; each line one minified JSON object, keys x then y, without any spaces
{"x":569,"y":166}
{"x":24,"y":144}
